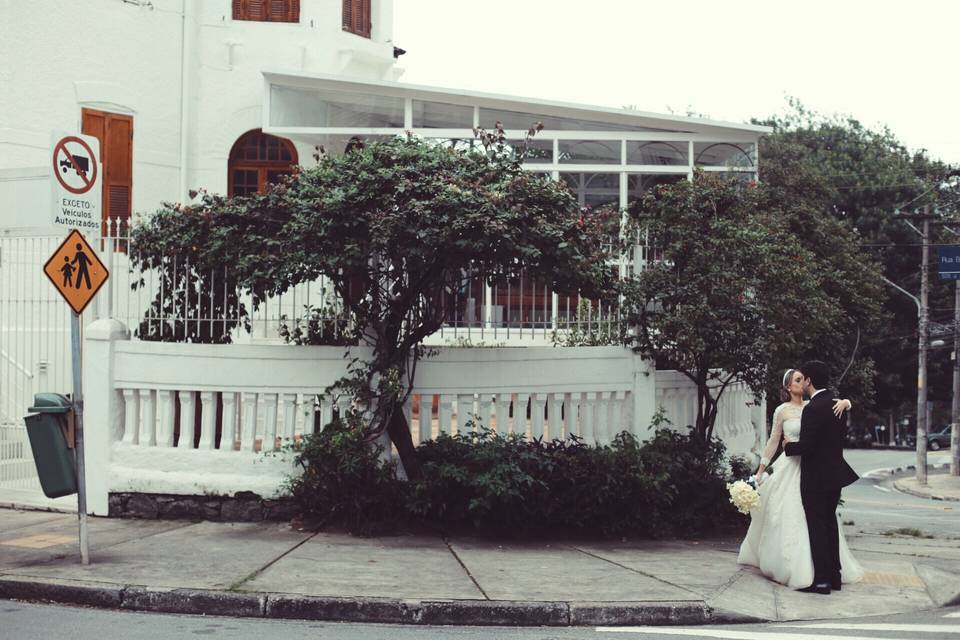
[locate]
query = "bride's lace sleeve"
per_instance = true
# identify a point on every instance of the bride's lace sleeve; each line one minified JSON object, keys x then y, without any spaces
{"x":776,"y":434}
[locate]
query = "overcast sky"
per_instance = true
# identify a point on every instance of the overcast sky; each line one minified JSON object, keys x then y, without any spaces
{"x":892,"y":62}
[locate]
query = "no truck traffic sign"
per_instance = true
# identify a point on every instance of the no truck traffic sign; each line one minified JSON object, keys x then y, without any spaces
{"x":77,"y":181}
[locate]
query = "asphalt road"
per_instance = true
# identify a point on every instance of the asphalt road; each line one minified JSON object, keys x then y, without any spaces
{"x":874,"y":506}
{"x":23,"y":621}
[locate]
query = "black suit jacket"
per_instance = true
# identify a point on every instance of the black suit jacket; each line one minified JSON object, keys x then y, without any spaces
{"x":822,"y":467}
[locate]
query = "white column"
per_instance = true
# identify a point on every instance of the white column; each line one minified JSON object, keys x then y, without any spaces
{"x":465,"y":413}
{"x":538,"y":401}
{"x":426,"y":417}
{"x":208,"y":420}
{"x":503,"y":413}
{"x":269,"y":422}
{"x":446,"y":413}
{"x":229,"y":429}
{"x":131,"y":416}
{"x":644,"y":395}
{"x":486,"y":409}
{"x":148,"y":424}
{"x":289,"y":417}
{"x":187,"y":415}
{"x":167,"y":402}
{"x":103,"y":407}
{"x":555,"y":416}
{"x":520,"y":413}
{"x":588,"y":416}
{"x":248,"y":432}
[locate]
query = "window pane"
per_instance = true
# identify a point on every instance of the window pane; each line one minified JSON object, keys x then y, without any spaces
{"x":290,"y":107}
{"x":437,"y":115}
{"x":662,"y":153}
{"x":521,"y":120}
{"x":594,"y":189}
{"x":538,"y":151}
{"x":244,"y":182}
{"x":589,"y":152}
{"x":638,"y":184}
{"x":335,"y":145}
{"x":724,"y":154}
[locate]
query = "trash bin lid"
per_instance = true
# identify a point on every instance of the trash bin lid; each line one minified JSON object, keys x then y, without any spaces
{"x":50,"y":403}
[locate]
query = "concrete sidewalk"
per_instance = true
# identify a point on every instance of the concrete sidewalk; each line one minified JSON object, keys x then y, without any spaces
{"x":940,"y":486}
{"x":272,"y":570}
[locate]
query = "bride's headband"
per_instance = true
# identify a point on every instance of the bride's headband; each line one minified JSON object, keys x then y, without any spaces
{"x":787,"y":375}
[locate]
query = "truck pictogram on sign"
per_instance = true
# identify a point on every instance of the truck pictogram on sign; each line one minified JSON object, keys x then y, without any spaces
{"x":75,"y":165}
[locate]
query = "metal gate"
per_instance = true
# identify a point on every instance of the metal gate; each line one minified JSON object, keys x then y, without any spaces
{"x":34,"y":357}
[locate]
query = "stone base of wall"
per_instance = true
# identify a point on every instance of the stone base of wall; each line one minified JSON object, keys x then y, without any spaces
{"x":241,"y":507}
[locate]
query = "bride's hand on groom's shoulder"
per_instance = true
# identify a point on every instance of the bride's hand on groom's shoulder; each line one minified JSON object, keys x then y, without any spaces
{"x":841,"y":405}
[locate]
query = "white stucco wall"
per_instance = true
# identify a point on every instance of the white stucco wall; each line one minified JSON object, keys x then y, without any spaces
{"x":59,"y":56}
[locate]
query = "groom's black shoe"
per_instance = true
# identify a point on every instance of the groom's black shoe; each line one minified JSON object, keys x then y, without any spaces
{"x":823,"y":588}
{"x":836,"y":584}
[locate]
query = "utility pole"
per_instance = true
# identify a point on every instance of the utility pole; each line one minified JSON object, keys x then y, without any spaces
{"x":924,"y":345}
{"x":923,"y":316}
{"x":955,"y":408}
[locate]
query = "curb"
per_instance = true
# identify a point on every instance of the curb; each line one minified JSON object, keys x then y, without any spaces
{"x":920,"y":494}
{"x":369,"y":610}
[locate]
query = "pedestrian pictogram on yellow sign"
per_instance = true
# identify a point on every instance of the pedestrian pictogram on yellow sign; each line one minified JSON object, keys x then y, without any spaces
{"x":76,"y":271}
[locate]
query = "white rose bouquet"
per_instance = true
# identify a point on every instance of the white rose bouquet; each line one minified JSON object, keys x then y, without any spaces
{"x":743,"y":496}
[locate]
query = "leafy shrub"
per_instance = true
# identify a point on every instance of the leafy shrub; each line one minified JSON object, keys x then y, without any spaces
{"x":492,"y":484}
{"x":346,"y":481}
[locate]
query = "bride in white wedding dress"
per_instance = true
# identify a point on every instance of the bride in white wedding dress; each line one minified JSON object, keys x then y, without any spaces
{"x":777,"y":541}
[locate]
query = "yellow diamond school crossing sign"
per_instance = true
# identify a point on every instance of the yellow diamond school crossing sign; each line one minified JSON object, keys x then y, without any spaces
{"x":76,"y":271}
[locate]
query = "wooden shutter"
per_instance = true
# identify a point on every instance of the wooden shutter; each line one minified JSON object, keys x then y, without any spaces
{"x":115,"y":133}
{"x":284,"y":11}
{"x":356,"y":17}
{"x":267,"y":10}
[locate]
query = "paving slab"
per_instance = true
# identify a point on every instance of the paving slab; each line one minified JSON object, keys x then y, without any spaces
{"x":938,"y":548}
{"x":56,"y":540}
{"x":11,"y":520}
{"x":538,"y":571}
{"x":405,"y":567}
{"x":748,"y":594}
{"x":702,"y":570}
{"x":206,"y":555}
{"x":866,"y":598}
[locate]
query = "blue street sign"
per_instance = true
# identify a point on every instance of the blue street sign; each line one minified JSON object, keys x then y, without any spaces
{"x":949,"y":261}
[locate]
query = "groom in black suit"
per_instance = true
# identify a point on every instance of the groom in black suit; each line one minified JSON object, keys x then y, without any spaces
{"x":823,"y":473}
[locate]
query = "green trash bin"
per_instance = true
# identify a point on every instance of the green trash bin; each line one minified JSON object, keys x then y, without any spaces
{"x":55,"y":462}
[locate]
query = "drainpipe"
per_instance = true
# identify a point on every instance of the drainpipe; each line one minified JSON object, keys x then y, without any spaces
{"x":185,"y":48}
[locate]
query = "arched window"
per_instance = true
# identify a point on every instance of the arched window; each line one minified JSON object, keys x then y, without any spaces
{"x":257,"y":159}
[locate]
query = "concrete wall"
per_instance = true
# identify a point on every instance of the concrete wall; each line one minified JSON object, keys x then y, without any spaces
{"x":131,"y":390}
{"x":60,"y":56}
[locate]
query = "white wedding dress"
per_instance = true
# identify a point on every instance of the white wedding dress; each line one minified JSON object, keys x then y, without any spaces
{"x":777,"y":541}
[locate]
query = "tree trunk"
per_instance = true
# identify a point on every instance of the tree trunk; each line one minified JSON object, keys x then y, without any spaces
{"x":399,"y":432}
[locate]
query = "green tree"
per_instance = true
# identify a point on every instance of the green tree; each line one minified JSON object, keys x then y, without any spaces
{"x":836,"y":170}
{"x":395,"y":226}
{"x":737,"y":292}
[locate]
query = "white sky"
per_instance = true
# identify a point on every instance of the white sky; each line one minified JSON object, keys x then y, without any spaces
{"x":892,"y":62}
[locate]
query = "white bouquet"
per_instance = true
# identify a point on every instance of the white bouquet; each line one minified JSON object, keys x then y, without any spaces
{"x":743,"y":496}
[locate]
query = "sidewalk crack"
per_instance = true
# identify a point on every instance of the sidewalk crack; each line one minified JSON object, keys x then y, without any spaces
{"x":642,"y":573}
{"x":256,"y":572}
{"x":464,"y":567}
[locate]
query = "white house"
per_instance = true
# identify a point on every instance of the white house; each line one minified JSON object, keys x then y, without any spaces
{"x":180,"y":91}
{"x":169,"y":86}
{"x":228,"y":95}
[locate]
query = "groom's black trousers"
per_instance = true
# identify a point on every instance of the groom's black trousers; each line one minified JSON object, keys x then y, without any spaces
{"x":820,"y":508}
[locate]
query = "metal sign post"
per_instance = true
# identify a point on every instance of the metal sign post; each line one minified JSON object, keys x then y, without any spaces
{"x":78,"y":425}
{"x":77,"y":273}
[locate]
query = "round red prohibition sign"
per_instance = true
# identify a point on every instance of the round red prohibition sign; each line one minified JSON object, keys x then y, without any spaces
{"x":65,"y":162}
